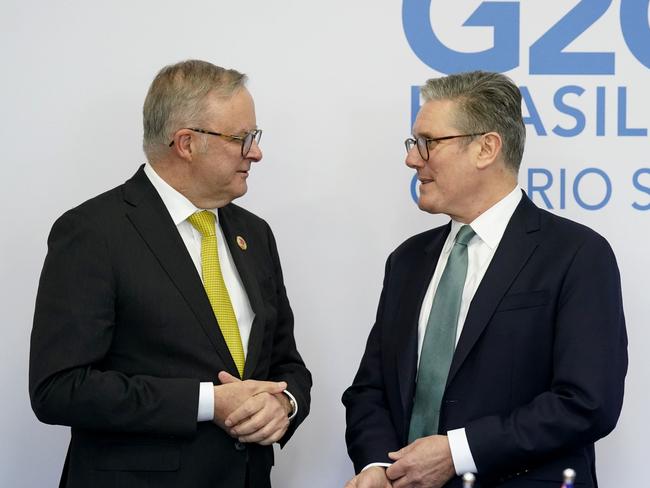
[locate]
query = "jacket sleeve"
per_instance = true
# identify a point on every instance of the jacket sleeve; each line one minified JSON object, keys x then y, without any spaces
{"x":286,"y":362}
{"x":370,"y":433}
{"x":74,"y":324}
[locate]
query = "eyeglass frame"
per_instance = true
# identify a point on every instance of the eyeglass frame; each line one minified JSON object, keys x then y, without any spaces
{"x":427,"y":140}
{"x":256,"y":136}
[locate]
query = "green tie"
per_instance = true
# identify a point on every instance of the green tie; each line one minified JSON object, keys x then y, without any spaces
{"x":440,"y":340}
{"x":215,"y":287}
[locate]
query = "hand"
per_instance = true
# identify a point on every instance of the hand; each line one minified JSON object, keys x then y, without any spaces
{"x":425,"y":462}
{"x":263,"y":419}
{"x":374,"y":477}
{"x":233,"y":392}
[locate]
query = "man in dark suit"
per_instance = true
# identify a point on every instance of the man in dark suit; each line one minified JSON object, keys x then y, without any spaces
{"x":499,"y":346}
{"x":163,"y":335}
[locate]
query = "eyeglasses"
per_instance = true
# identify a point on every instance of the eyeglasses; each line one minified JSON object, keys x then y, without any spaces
{"x":423,"y":143}
{"x":246,"y":140}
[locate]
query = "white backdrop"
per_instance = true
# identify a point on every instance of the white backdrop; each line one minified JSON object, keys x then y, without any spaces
{"x":332,"y":83}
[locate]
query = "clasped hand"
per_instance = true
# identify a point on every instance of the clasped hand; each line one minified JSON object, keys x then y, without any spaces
{"x":425,"y":463}
{"x":251,"y":410}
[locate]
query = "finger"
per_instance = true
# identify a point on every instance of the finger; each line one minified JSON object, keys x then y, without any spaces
{"x":276,"y":436}
{"x":403,"y":482}
{"x":264,"y":434}
{"x":269,"y":417}
{"x":255,"y":425}
{"x":395,"y":471}
{"x":365,"y":481}
{"x":371,"y":479}
{"x":270,"y":403}
{"x":352,"y":483}
{"x":271,"y":387}
{"x":263,"y":424}
{"x":257,"y":412}
{"x":246,"y":410}
{"x":395,"y":455}
{"x":225,"y":378}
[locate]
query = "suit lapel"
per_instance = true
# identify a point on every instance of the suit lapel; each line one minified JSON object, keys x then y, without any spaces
{"x":234,"y":227}
{"x":517,"y":245}
{"x":416,"y":279}
{"x":152,"y":221}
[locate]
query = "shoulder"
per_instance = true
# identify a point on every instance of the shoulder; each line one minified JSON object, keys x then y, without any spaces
{"x":94,"y":212}
{"x":568,"y":234}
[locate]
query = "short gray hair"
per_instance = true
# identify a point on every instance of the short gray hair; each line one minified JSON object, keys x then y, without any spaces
{"x":177,"y":99}
{"x":485,"y":102}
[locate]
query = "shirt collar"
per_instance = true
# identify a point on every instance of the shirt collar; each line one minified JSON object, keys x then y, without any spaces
{"x":491,"y":224}
{"x":178,"y":206}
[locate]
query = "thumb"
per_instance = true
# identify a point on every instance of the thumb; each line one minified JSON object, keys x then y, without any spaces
{"x":225,"y":378}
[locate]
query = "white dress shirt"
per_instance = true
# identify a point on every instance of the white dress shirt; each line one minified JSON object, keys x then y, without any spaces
{"x":489,"y":228}
{"x":180,"y":208}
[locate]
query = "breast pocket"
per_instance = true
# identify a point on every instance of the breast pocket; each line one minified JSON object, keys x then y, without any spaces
{"x":518,"y":301}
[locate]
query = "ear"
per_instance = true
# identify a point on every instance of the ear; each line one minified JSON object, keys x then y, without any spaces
{"x":184,"y":145}
{"x":489,"y":150}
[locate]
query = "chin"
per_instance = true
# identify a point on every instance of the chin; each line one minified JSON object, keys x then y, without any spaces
{"x":240,"y":192}
{"x":428,"y":206}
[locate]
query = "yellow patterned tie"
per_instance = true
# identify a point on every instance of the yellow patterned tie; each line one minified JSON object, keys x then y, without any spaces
{"x":215,"y":287}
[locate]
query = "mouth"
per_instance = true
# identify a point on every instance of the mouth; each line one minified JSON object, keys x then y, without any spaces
{"x":424,"y":181}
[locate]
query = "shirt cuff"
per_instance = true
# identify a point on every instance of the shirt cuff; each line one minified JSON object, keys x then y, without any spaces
{"x":294,"y":403}
{"x":206,"y":402}
{"x":461,"y":455}
{"x":372,"y":465}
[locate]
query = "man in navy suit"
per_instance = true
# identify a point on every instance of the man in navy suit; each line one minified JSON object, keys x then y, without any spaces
{"x":499,"y":346}
{"x":163,"y":335}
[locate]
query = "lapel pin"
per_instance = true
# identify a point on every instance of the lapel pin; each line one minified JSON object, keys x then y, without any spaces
{"x":242,"y":243}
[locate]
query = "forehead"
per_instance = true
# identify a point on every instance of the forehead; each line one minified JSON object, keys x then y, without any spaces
{"x":435,"y":118}
{"x":236,"y":113}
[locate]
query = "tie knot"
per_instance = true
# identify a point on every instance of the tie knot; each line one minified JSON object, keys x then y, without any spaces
{"x":203,"y":221}
{"x":465,"y":235}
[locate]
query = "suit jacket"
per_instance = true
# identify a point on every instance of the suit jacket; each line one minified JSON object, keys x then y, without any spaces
{"x":124,"y":333}
{"x":538,"y":372}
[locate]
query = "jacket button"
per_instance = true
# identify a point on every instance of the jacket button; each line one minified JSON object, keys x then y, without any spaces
{"x":240,"y":446}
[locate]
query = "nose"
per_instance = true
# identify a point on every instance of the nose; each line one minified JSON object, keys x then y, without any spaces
{"x":413,"y":159}
{"x":255,"y":152}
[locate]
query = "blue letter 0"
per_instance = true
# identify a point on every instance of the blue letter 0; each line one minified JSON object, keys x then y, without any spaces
{"x":636,"y":31}
{"x":576,"y":188}
{"x":546,"y":56}
{"x":503,"y":56}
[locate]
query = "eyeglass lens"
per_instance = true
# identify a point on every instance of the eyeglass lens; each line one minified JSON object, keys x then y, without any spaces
{"x":247,"y":143}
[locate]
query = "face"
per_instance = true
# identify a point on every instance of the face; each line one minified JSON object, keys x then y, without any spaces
{"x":218,"y":170}
{"x":449,"y":178}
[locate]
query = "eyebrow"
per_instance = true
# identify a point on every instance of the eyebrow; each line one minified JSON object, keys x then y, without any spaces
{"x":246,"y":131}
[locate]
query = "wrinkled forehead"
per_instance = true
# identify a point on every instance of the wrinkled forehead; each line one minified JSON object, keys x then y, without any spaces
{"x":436,"y":118}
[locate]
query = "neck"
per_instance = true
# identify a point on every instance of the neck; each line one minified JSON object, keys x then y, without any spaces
{"x":176,"y":175}
{"x":484,"y":199}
